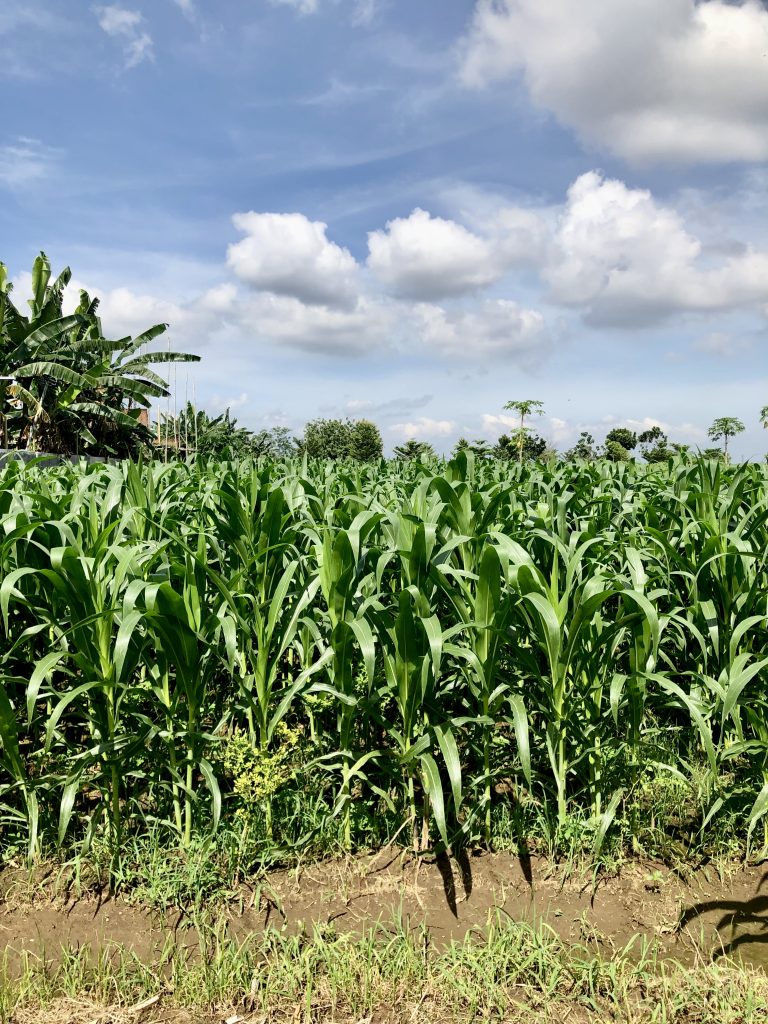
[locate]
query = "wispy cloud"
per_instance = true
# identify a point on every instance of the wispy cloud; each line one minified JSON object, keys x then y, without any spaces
{"x":127,"y":26}
{"x":187,"y":7}
{"x":363,"y":11}
{"x":25,"y":160}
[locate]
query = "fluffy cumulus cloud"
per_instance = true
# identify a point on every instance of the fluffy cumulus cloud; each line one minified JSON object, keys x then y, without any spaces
{"x":425,"y":257}
{"x":128,"y":26}
{"x":673,"y":80}
{"x":262,"y":319}
{"x":628,"y":260}
{"x":423,"y":428}
{"x":365,"y":330}
{"x":289,"y":255}
{"x":494,"y":329}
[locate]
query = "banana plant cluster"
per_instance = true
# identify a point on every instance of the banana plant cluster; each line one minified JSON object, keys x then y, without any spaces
{"x":445,"y":637}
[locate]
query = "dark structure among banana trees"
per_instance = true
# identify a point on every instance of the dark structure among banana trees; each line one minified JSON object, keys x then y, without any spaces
{"x":64,"y":387}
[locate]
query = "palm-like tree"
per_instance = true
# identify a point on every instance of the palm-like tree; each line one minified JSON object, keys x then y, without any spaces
{"x":723,"y":428}
{"x":65,"y":387}
{"x":525,"y":407}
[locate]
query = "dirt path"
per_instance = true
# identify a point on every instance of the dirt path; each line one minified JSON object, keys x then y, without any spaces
{"x":453,"y":898}
{"x":450,"y":898}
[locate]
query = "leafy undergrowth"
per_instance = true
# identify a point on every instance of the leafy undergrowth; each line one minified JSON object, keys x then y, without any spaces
{"x":515,"y":972}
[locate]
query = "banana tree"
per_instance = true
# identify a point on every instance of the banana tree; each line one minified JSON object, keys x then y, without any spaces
{"x":67,"y":388}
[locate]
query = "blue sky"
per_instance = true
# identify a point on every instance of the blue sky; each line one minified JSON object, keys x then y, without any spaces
{"x":412,"y":211}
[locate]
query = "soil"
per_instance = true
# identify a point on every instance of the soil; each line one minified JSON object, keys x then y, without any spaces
{"x":451,"y":898}
{"x":703,"y":914}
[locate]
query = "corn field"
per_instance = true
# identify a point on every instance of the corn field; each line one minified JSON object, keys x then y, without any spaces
{"x":204,"y":645}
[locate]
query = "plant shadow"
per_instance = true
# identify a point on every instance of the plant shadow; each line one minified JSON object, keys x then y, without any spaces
{"x":740,"y":925}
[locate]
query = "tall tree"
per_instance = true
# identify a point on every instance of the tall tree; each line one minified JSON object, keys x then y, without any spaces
{"x":764,"y":417}
{"x":524,"y":407}
{"x":724,"y":428}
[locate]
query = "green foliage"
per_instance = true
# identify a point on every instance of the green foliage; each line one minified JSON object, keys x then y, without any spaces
{"x":479,"y":448}
{"x":414,"y":449}
{"x":258,"y":774}
{"x":615,"y":452}
{"x":724,"y":428}
{"x":622,"y":436}
{"x":451,"y":642}
{"x":655,"y":445}
{"x":194,"y":432}
{"x":365,"y":443}
{"x":584,"y":448}
{"x":343,"y":439}
{"x":524,"y":407}
{"x":508,"y":447}
{"x":68,"y":388}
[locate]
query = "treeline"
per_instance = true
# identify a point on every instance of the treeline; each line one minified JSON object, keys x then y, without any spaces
{"x":194,"y":432}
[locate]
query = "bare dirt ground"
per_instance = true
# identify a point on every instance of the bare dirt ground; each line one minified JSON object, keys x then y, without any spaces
{"x":702,"y":915}
{"x":449,"y":897}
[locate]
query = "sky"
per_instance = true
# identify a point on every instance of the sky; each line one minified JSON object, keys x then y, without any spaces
{"x":412,"y":211}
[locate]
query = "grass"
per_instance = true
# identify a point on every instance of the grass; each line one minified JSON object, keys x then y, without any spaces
{"x":514,"y":972}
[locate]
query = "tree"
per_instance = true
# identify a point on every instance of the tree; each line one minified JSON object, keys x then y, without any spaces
{"x":365,"y":443}
{"x":615,"y":452}
{"x":583,"y":449}
{"x":713,"y":453}
{"x":724,"y":428}
{"x":764,"y":417}
{"x":342,"y":439}
{"x":65,"y":387}
{"x":414,"y":450}
{"x":623,"y":436}
{"x":479,"y":448}
{"x":506,"y":448}
{"x":525,"y":407}
{"x":277,"y":442}
{"x":326,"y":439}
{"x":655,"y":445}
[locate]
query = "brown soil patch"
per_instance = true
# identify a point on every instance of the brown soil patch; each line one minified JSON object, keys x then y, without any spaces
{"x":450,"y":898}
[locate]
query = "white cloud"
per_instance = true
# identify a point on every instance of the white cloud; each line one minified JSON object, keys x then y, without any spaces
{"x":425,"y":257}
{"x":290,"y":255}
{"x":220,"y":404}
{"x":627,"y":260}
{"x":25,"y":161}
{"x":389,"y":407}
{"x":722,"y":344}
{"x":128,"y":26}
{"x":281,"y":320}
{"x":558,"y":429}
{"x":423,"y":427}
{"x":674,"y":431}
{"x":363,"y":11}
{"x":497,"y":424}
{"x":653,"y":80}
{"x":496,"y":328}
